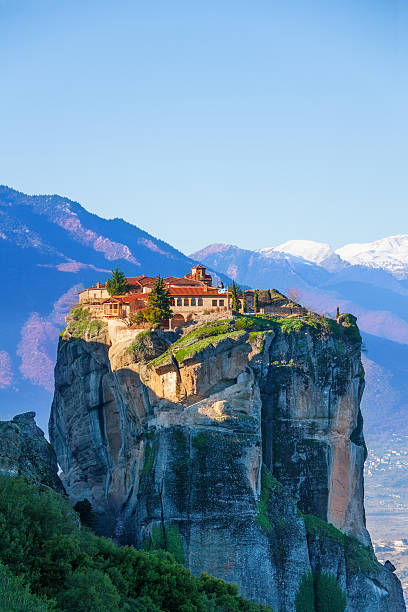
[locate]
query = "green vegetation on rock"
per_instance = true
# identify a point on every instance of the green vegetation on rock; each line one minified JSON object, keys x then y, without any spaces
{"x":317,"y":527}
{"x":200,"y":441}
{"x":268,"y":484}
{"x":358,"y":556}
{"x":150,"y":455}
{"x":197,"y":340}
{"x":166,"y":538}
{"x":81,"y":322}
{"x":53,"y":564}
{"x":252,"y":327}
{"x":190,"y":351}
{"x":140,"y":343}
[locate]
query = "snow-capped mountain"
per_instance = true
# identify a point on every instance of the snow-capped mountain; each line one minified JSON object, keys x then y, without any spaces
{"x":318,"y":253}
{"x":389,"y":254}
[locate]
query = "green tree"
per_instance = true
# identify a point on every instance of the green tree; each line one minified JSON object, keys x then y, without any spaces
{"x":329,"y":596}
{"x":117,"y":284}
{"x":244,"y":302}
{"x":158,"y":304}
{"x":234,"y":297}
{"x":305,"y":598}
{"x":337,"y":313}
{"x":16,"y":597}
{"x":256,"y":301}
{"x":90,"y":590}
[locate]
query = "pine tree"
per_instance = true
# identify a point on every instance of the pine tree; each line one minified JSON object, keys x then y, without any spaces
{"x":244,"y":301}
{"x":256,"y":301}
{"x":337,"y":312}
{"x":117,"y":284}
{"x":158,"y":304}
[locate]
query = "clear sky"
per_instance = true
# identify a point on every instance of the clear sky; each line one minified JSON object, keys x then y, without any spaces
{"x":217,"y":121}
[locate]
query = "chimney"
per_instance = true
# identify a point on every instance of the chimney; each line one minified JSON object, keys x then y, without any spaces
{"x":98,"y":285}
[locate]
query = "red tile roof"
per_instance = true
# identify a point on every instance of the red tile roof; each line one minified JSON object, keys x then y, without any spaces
{"x":195,"y":291}
{"x":127,"y":299}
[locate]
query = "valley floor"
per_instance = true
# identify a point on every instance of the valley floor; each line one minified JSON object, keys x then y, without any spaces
{"x":386,"y":501}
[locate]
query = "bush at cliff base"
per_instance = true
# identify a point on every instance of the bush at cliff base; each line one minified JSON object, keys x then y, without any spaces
{"x":50,"y":563}
{"x":320,"y":593}
{"x":329,"y":596}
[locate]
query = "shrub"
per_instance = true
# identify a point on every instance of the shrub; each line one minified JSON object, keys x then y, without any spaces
{"x":90,"y":590}
{"x":140,"y":343}
{"x":329,"y":596}
{"x":16,"y":597}
{"x":320,"y":593}
{"x":305,"y":598}
{"x":138,"y":317}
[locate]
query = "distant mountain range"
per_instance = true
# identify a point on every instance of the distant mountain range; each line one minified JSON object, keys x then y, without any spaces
{"x":369,"y":280}
{"x":51,"y":248}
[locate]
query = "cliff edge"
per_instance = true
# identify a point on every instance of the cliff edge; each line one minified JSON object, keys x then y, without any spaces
{"x":238,"y":446}
{"x":24,"y":451}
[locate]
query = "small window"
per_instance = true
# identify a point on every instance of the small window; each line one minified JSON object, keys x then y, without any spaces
{"x":214,"y":302}
{"x":179,"y":302}
{"x":193,"y":301}
{"x":172,"y":302}
{"x":221,"y":302}
{"x":200,"y":301}
{"x":185,"y":301}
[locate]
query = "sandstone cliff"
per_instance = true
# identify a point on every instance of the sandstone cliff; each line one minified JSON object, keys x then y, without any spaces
{"x":24,"y":451}
{"x":237,"y":446}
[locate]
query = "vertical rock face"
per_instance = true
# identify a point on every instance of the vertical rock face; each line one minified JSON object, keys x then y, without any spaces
{"x":25,"y":451}
{"x":243,"y":455}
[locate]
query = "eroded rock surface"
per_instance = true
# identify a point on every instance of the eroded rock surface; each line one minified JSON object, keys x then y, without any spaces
{"x":218,"y":453}
{"x":24,"y":451}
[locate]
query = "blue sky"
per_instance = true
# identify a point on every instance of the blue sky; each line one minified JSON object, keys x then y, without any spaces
{"x":243,"y":122}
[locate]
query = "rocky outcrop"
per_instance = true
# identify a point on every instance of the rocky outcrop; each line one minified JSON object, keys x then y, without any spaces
{"x":24,"y":451}
{"x":239,"y":448}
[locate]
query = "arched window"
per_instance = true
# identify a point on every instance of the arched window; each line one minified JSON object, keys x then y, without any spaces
{"x":179,"y":303}
{"x":172,"y":302}
{"x":185,"y":301}
{"x":193,"y":301}
{"x":200,"y":301}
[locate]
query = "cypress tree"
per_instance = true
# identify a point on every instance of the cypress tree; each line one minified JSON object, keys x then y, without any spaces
{"x":234,"y":295}
{"x":256,"y":301}
{"x":244,"y":301}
